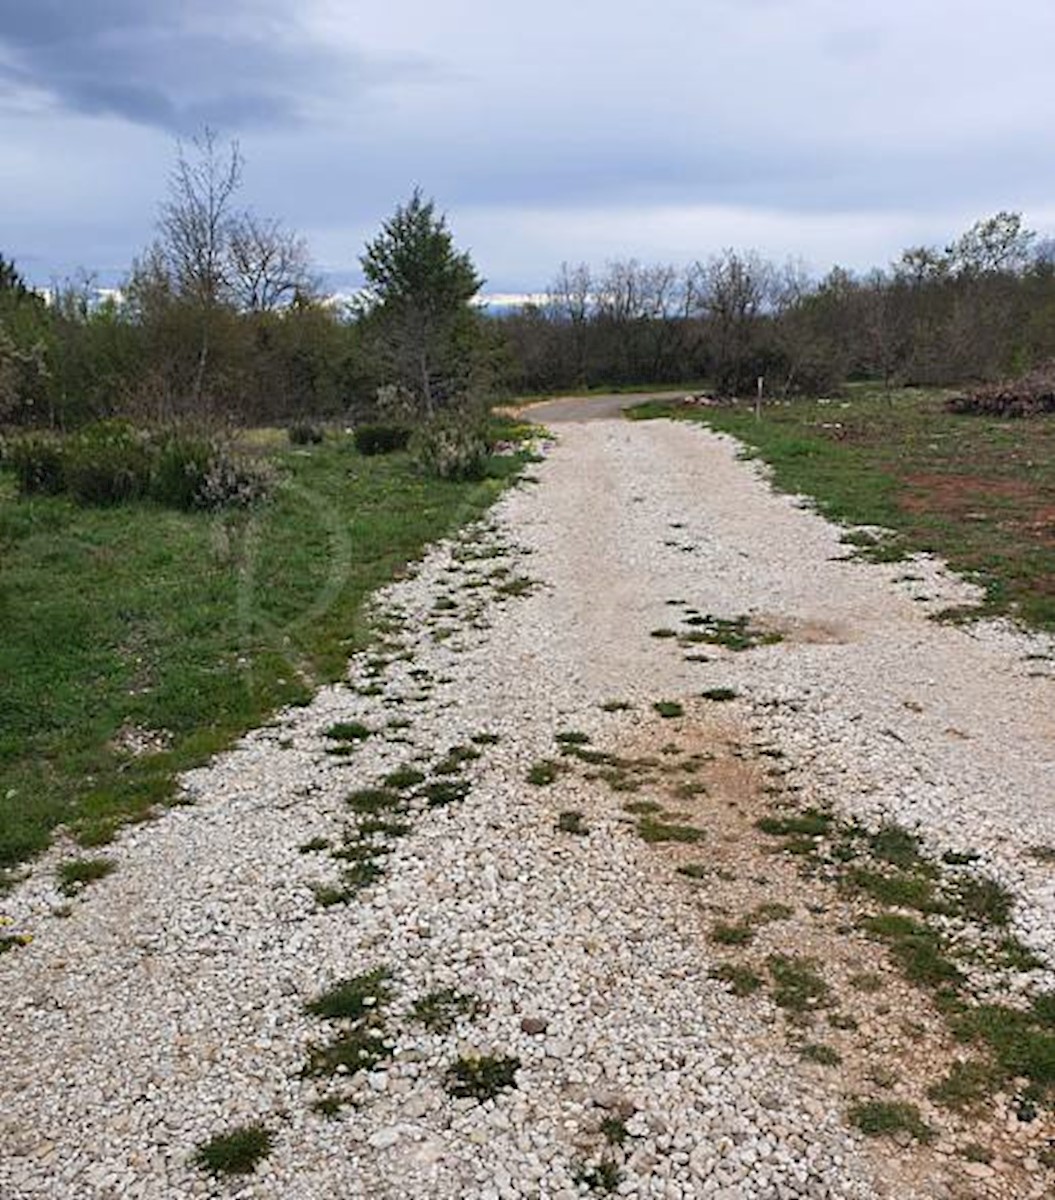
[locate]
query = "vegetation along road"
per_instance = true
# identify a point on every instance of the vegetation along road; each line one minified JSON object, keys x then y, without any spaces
{"x":663,"y":846}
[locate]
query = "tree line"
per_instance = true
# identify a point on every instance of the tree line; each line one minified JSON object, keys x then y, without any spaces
{"x":223,"y":319}
{"x":980,"y":308}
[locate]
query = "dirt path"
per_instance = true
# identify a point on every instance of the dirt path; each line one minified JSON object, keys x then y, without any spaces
{"x":559,"y":880}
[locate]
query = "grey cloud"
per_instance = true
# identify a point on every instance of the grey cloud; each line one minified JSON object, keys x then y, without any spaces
{"x":175,"y":66}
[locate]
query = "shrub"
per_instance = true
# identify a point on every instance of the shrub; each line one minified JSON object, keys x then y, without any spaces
{"x":108,"y":463}
{"x":304,"y":433}
{"x":234,"y":481}
{"x":381,"y":439}
{"x":181,"y":464}
{"x":194,"y":471}
{"x":113,"y":462}
{"x":38,"y":465}
{"x":451,"y":448}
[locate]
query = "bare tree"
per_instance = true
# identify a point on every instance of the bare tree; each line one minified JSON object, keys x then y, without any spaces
{"x":195,"y":229}
{"x":269,"y":266}
{"x":736,"y":290}
{"x":570,"y":301}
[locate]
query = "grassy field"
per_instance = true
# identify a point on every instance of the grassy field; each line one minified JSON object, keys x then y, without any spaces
{"x":979,"y":492}
{"x":138,"y":622}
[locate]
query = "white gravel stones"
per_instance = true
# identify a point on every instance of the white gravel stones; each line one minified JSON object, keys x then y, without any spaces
{"x":169,"y":1006}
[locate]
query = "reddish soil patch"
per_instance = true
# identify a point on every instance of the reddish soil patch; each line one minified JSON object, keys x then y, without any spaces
{"x":1025,"y":506}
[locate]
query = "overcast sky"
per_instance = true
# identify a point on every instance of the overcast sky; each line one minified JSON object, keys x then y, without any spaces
{"x":826,"y":130}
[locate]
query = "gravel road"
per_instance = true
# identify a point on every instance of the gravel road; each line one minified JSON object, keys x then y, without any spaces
{"x":167,"y":1004}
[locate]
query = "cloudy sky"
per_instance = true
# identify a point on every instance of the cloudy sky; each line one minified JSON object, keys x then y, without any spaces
{"x":557,"y":130}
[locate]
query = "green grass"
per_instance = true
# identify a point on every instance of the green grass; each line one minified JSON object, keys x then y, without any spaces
{"x":669,"y":708}
{"x":654,"y":830}
{"x":816,"y":1052}
{"x":614,"y":1131}
{"x":360,"y":1048}
{"x":742,"y":981}
{"x":403,"y":777}
{"x":373,"y":800}
{"x":966,"y":1086}
{"x":734,"y":633}
{"x":694,"y":871}
{"x":571,"y":821}
{"x":192,"y":625}
{"x":878,"y":1118}
{"x":543,"y":773}
{"x":441,"y":1010}
{"x":811,"y":823}
{"x":445,"y":791}
{"x":797,"y":986}
{"x":78,"y":872}
{"x":967,"y":488}
{"x":481,"y":1077}
{"x":237,"y":1152}
{"x":354,"y":998}
{"x":919,"y":950}
{"x":348,"y":731}
{"x":604,"y":1177}
{"x":1021,"y":1042}
{"x":724,"y":933}
{"x":899,"y":889}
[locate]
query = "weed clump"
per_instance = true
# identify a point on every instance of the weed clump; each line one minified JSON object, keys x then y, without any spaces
{"x":811,"y":823}
{"x":237,"y":1152}
{"x":653,"y":830}
{"x":604,"y":1177}
{"x":742,"y":981}
{"x":440,"y":1011}
{"x":543,"y":773}
{"x":823,"y":1055}
{"x":373,"y":800}
{"x":358,"y":1049}
{"x":669,"y":708}
{"x":445,"y":791}
{"x":347,"y":731}
{"x":352,"y":999}
{"x":481,"y":1077}
{"x":571,"y":821}
{"x":734,"y":633}
{"x":403,"y":778}
{"x":797,"y":986}
{"x":879,"y":1117}
{"x":966,"y":1085}
{"x":694,"y":870}
{"x":78,"y":872}
{"x":727,"y":934}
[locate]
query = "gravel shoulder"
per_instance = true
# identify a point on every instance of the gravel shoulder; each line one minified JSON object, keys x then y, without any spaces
{"x":168,"y":1005}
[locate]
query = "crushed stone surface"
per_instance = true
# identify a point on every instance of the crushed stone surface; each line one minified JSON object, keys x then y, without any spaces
{"x":168,"y":1006}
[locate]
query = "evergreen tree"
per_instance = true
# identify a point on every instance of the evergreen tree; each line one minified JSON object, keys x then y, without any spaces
{"x":420,"y":289}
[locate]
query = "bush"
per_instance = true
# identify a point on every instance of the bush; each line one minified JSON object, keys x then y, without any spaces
{"x":234,"y":481}
{"x":449,"y":448}
{"x":112,"y":463}
{"x":38,"y":465}
{"x":304,"y":433}
{"x":181,"y":464}
{"x":381,"y":439}
{"x":108,"y":463}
